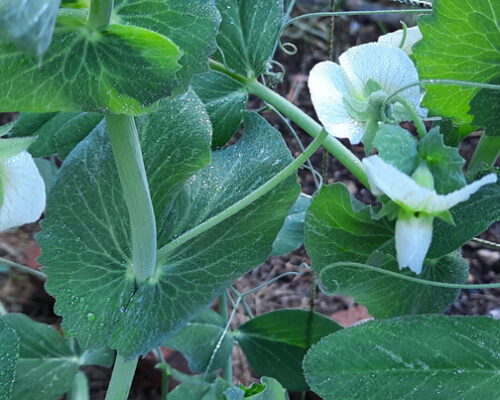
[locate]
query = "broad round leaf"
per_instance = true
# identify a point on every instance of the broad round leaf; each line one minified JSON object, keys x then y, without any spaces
{"x":123,"y":69}
{"x":9,"y":351}
{"x":460,"y":41}
{"x":275,"y":343}
{"x":409,"y":358}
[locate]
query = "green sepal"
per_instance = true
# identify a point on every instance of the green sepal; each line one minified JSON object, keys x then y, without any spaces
{"x":446,"y":216}
{"x":444,"y":162}
{"x":397,"y":147}
{"x":371,"y":86}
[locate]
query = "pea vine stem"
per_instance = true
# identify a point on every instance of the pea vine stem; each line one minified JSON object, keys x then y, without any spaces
{"x":100,"y":13}
{"x":130,"y":164}
{"x":245,"y":201}
{"x":121,"y":379}
{"x":486,"y":152}
{"x":299,"y":117}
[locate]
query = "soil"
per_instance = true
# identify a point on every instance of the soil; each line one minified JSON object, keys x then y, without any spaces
{"x":23,"y":293}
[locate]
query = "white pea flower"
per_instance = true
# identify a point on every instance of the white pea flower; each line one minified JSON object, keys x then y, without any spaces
{"x":419,"y":203}
{"x":348,"y":97}
{"x":22,"y":190}
{"x":413,"y":35}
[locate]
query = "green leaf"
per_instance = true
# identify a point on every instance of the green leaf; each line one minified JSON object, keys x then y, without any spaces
{"x":48,"y":171}
{"x":225,"y":99}
{"x":453,"y":134}
{"x":28,"y":25}
{"x":397,"y":147}
{"x":192,"y":387}
{"x":340,"y":228}
{"x":459,"y":42}
{"x":471,"y":217}
{"x":56,"y":132}
{"x":198,"y":339}
{"x":385,"y":296}
{"x":485,"y":107}
{"x":409,"y":358}
{"x":444,"y":162}
{"x":248,"y":34}
{"x":9,"y":352}
{"x":123,"y":69}
{"x":275,"y":343}
{"x":191,"y":25}
{"x":272,"y":390}
{"x":86,"y":206}
{"x":291,"y":235}
{"x":46,"y":365}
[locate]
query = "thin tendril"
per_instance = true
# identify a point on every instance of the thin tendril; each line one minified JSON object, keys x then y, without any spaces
{"x":487,"y":243}
{"x":399,"y":276}
{"x":317,"y":183}
{"x":417,"y":3}
{"x":276,"y":77}
{"x":450,"y":82}
{"x":293,"y":48}
{"x":23,"y":268}
{"x":222,"y":336}
{"x":405,"y":34}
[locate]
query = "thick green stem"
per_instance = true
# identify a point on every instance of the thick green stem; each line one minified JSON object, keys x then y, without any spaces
{"x":100,"y":13}
{"x":419,"y":124}
{"x":128,"y":157}
{"x":121,"y":379}
{"x":80,"y":388}
{"x":245,"y":201}
{"x":334,"y":146}
{"x":309,"y":125}
{"x":486,"y":152}
{"x":227,"y":371}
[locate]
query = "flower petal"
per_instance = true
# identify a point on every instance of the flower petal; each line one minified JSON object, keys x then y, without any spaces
{"x":413,"y":239}
{"x":23,"y":191}
{"x":328,"y":88}
{"x":402,"y":189}
{"x":445,"y":202}
{"x":413,"y":35}
{"x":388,"y":65}
{"x":397,"y":185}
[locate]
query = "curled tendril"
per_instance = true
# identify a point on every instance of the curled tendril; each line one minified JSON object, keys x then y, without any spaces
{"x":393,"y":97}
{"x":288,"y":48}
{"x":276,"y":76}
{"x":292,"y":49}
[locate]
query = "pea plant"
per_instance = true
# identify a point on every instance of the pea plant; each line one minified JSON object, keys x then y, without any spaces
{"x":154,"y":212}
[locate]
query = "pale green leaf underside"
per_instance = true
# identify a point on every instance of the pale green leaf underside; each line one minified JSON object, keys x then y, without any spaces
{"x":46,"y":365}
{"x":94,"y":276}
{"x":198,"y":339}
{"x":28,"y":23}
{"x":9,"y":352}
{"x":248,"y":33}
{"x":460,"y":42}
{"x":191,"y":25}
{"x":122,"y":69}
{"x":409,"y":358}
{"x":291,"y":235}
